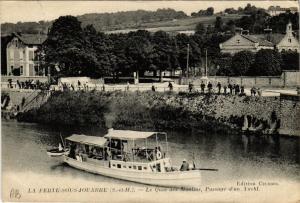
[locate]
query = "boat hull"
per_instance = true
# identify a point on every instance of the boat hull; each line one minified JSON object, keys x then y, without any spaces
{"x":190,"y":178}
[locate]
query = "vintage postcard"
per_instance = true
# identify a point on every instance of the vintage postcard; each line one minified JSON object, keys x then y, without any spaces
{"x":150,"y":101}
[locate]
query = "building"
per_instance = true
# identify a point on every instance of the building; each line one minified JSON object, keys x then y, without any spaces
{"x":288,"y":42}
{"x":246,"y":42}
{"x":20,"y":54}
{"x":276,"y":10}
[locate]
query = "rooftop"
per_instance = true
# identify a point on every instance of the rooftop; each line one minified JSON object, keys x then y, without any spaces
{"x":129,"y":134}
{"x":33,"y":39}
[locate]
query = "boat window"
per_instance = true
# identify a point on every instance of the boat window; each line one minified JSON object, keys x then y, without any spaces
{"x":124,"y":166}
{"x":140,"y":167}
{"x":114,"y":165}
{"x":118,"y":165}
{"x":134,"y":167}
{"x":145,"y":168}
{"x":129,"y":166}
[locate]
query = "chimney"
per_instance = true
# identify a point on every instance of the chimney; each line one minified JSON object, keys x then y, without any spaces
{"x":268,"y":33}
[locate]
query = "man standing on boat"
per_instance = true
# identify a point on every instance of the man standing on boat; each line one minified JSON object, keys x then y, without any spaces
{"x":184,"y":166}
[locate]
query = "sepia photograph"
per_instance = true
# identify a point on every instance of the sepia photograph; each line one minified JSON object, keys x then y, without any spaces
{"x":150,"y":101}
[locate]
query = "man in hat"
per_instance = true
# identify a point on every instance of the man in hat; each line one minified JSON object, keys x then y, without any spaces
{"x":184,"y":166}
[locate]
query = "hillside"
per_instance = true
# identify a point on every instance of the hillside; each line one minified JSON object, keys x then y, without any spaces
{"x":185,"y":24}
{"x":101,"y":21}
{"x":168,"y":20}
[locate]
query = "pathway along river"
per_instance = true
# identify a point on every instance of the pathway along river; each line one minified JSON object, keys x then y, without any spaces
{"x":25,"y":164}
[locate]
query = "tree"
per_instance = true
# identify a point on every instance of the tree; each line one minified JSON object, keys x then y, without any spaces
{"x":65,"y":46}
{"x":210,"y":11}
{"x":290,"y":60}
{"x":164,"y":54}
{"x":200,"y":29}
{"x":218,"y":24}
{"x":267,"y":63}
{"x":241,"y":62}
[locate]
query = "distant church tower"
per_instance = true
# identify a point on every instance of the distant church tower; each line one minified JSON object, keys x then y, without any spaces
{"x":289,"y":42}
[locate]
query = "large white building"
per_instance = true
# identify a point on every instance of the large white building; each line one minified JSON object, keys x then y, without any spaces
{"x":20,"y":52}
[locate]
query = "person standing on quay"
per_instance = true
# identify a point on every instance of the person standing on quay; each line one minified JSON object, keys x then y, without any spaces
{"x":190,"y":87}
{"x":225,"y":89}
{"x":202,"y":87}
{"x":242,"y":90}
{"x":170,"y":86}
{"x":233,"y":89}
{"x":209,"y":86}
{"x":153,"y":88}
{"x":219,"y":87}
{"x":237,"y":89}
{"x":230,"y":88}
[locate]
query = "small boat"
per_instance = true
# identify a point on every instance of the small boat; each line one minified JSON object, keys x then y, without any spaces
{"x":132,"y":156}
{"x":58,"y":151}
{"x":55,"y":152}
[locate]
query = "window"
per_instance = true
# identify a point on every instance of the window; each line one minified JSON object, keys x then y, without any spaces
{"x":134,"y":167}
{"x":140,"y":168}
{"x":145,"y":168}
{"x":290,"y":40}
{"x":21,"y":70}
{"x":129,"y":166}
{"x":124,"y":166}
{"x":238,"y":41}
{"x":114,"y":165}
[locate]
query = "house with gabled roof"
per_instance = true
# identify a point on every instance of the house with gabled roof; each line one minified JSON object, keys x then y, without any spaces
{"x":246,"y":42}
{"x":20,"y":54}
{"x":242,"y":42}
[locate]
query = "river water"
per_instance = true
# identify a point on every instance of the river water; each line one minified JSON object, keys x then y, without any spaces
{"x":25,"y":164}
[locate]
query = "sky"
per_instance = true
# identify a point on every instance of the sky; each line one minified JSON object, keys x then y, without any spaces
{"x":24,"y":11}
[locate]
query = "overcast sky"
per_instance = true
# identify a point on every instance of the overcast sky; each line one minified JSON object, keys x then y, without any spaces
{"x":14,"y":11}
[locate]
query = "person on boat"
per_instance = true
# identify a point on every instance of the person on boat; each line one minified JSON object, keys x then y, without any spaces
{"x":184,"y":166}
{"x":72,"y":151}
{"x":60,"y":148}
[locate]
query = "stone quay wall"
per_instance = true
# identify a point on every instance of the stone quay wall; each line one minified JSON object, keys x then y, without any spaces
{"x":147,"y":108}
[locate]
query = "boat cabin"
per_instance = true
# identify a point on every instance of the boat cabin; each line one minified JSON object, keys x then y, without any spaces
{"x":122,"y":150}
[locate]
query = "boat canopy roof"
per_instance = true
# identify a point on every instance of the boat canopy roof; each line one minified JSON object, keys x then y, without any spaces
{"x":89,"y":140}
{"x":129,"y":134}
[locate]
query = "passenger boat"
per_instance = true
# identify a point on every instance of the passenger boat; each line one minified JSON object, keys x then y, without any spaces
{"x":119,"y":154}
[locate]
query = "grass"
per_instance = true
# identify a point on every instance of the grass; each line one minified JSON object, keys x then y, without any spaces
{"x":178,"y":25}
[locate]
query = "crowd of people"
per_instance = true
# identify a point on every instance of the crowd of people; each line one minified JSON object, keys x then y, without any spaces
{"x":28,"y":84}
{"x":232,"y":89}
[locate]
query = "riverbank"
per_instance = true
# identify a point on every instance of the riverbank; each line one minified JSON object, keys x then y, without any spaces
{"x":164,"y":111}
